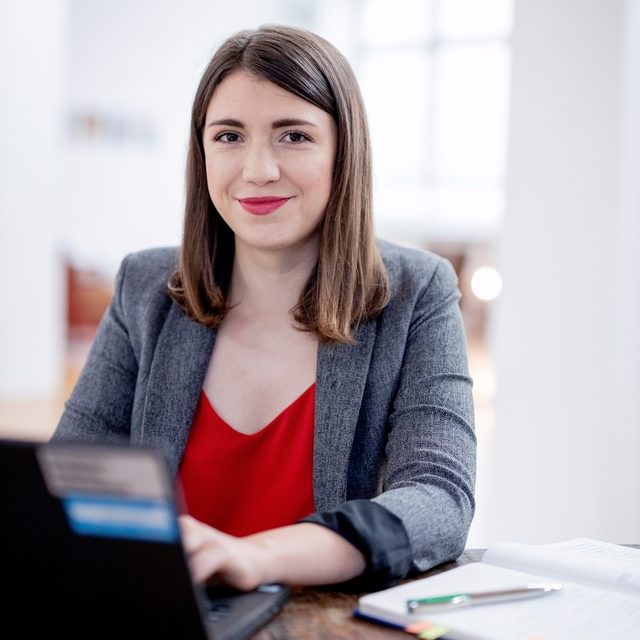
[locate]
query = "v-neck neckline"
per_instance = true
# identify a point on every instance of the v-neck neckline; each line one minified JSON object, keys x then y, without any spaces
{"x":263,"y":429}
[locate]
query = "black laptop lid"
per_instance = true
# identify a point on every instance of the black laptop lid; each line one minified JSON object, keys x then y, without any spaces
{"x":91,"y":548}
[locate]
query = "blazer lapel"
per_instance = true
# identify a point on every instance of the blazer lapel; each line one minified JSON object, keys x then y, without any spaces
{"x":340,"y":380}
{"x":179,"y":366}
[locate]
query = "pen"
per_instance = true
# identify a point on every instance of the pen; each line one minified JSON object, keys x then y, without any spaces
{"x":485,"y":597}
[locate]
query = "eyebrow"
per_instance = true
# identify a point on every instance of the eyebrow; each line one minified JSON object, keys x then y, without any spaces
{"x":226,"y":122}
{"x":278,"y":124}
{"x":292,"y":122}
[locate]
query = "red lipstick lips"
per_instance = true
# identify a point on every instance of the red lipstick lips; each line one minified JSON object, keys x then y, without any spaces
{"x":261,"y":206}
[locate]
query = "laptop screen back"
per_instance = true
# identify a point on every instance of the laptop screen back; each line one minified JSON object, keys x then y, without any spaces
{"x":89,"y":544}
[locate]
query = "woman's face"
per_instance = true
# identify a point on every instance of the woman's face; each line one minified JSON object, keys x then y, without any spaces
{"x":269,"y":159}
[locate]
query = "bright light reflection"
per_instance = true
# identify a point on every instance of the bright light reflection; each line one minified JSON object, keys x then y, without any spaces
{"x":486,"y":283}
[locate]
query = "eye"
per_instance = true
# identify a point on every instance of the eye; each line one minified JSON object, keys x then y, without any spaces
{"x":227,"y":137}
{"x":296,"y":137}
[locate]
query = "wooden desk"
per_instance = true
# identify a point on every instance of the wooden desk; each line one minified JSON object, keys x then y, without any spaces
{"x":316,"y":614}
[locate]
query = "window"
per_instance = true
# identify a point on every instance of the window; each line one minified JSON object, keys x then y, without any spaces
{"x":435,"y":79}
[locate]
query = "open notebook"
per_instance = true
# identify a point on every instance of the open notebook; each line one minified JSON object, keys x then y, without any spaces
{"x":600,"y":598}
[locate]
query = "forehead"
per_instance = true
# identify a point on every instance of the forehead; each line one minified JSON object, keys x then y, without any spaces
{"x":244,"y":96}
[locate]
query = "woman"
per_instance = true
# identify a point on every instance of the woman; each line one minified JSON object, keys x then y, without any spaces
{"x":288,"y":338}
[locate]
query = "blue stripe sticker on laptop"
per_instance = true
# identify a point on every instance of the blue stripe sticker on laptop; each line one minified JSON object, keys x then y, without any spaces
{"x":121,"y":517}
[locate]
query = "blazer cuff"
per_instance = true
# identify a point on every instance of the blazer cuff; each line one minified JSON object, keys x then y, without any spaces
{"x":378,"y":534}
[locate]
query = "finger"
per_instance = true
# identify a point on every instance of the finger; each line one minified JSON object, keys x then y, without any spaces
{"x":195,"y":534}
{"x":192,"y":540}
{"x":206,"y":562}
{"x":187,"y":523}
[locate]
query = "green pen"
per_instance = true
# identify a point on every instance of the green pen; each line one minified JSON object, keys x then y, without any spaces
{"x":444,"y":603}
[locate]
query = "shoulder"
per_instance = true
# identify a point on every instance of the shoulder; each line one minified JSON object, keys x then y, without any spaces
{"x":413,"y":272}
{"x":147,"y":269}
{"x":141,"y":285}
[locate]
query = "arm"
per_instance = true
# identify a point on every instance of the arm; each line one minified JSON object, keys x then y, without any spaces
{"x":426,"y":505}
{"x":303,"y":554}
{"x":431,"y":450}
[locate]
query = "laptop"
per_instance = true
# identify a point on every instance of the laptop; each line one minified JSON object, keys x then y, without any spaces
{"x":90,"y":547}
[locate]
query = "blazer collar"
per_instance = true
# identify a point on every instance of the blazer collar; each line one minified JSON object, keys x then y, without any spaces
{"x":340,"y":381}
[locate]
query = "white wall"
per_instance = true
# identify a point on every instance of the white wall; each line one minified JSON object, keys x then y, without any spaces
{"x":31,"y":309}
{"x":566,"y":337}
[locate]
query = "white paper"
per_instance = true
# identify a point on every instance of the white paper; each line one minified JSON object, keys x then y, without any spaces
{"x":581,"y":560}
{"x":575,"y":613}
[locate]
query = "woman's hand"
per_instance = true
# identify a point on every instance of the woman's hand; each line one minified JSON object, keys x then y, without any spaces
{"x":213,"y":553}
{"x":302,"y":553}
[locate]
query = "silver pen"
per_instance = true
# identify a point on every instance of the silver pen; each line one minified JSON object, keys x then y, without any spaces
{"x":444,"y":603}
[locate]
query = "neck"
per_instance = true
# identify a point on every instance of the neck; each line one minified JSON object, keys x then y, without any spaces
{"x":270,"y":281}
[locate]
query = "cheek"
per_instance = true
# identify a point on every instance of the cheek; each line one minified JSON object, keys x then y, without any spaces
{"x":218,"y":175}
{"x":317,"y":175}
{"x":325,"y":182}
{"x":325,"y":173}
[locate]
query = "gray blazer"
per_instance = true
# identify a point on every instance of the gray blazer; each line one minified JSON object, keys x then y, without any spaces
{"x":393,"y":416}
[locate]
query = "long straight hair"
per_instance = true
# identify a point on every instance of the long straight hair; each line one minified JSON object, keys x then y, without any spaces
{"x":349,"y":283}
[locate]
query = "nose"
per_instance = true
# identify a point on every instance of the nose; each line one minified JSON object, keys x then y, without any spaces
{"x":260,"y":165}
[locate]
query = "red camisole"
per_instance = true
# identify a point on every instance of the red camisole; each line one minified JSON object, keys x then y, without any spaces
{"x":243,"y":484}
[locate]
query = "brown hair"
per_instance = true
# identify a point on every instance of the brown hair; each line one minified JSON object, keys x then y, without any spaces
{"x":349,"y":283}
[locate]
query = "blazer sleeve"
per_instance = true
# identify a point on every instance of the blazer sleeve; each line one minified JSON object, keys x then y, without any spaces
{"x":431,"y":449}
{"x":423,"y":515}
{"x":99,"y":408}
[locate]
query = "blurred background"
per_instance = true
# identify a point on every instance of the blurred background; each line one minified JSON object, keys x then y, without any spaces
{"x":506,"y":137}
